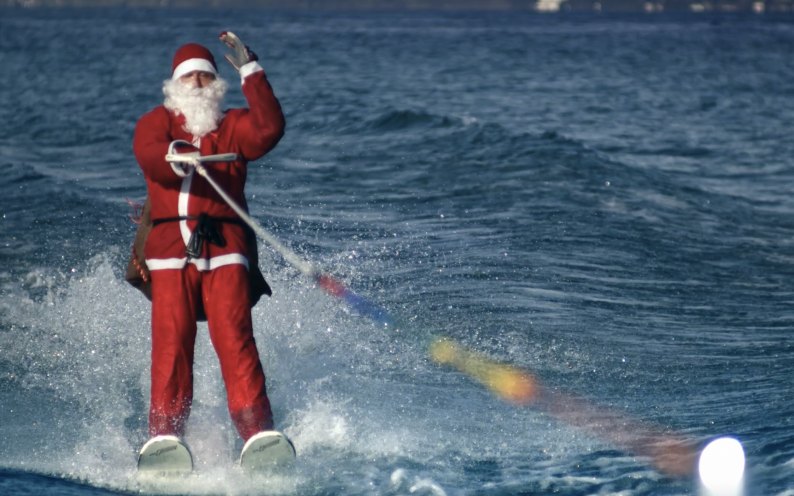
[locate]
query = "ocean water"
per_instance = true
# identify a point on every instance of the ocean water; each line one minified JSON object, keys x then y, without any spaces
{"x":603,"y":202}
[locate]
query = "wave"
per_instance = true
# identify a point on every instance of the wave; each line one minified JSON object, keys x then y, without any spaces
{"x":19,"y":175}
{"x":410,"y":120}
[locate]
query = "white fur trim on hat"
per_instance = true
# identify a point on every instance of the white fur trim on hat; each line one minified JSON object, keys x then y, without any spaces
{"x":191,"y":65}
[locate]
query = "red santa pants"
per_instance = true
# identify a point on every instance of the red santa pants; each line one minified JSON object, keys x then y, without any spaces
{"x":224,"y":293}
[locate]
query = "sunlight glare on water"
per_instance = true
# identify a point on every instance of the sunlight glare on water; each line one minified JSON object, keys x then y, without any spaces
{"x":721,"y":467}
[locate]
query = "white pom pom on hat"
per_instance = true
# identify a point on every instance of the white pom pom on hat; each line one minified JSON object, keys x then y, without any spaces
{"x":192,"y":57}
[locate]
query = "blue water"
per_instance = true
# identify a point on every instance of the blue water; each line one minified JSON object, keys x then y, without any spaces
{"x":605,"y":202}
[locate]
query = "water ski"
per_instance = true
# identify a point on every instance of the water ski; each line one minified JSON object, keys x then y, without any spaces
{"x":165,"y":455}
{"x":267,"y":450}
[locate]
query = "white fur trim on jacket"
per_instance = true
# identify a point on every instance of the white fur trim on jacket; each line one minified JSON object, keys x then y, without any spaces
{"x":249,"y":68}
{"x":202,"y":264}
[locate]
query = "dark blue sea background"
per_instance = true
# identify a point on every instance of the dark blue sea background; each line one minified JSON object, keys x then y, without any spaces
{"x":603,"y":201}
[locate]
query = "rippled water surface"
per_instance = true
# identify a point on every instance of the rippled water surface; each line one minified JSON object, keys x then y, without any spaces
{"x":604,"y":202}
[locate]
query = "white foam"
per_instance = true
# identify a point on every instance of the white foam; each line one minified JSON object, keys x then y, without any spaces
{"x":360,"y":403}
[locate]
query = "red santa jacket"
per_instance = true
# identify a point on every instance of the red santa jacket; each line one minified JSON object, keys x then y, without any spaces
{"x":250,"y":133}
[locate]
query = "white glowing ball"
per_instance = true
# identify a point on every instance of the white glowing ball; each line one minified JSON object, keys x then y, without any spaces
{"x":721,"y":466}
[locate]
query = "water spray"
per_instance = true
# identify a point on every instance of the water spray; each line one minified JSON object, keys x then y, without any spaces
{"x":720,"y":465}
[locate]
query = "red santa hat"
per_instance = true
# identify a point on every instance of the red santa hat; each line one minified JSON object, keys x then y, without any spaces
{"x":192,"y":57}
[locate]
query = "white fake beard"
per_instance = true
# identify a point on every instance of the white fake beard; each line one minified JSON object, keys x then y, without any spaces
{"x":200,"y":106}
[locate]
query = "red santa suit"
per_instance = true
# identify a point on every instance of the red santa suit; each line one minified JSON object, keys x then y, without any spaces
{"x":216,"y":276}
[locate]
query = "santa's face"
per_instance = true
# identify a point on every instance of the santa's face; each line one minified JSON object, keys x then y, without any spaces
{"x":197,"y":79}
{"x":197,"y":95}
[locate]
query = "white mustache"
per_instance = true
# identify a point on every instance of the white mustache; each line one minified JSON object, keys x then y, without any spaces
{"x":200,"y":106}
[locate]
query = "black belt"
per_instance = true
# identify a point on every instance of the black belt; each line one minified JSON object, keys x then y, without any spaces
{"x":206,"y":230}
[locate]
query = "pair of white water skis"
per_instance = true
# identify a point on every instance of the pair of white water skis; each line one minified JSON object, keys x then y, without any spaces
{"x":168,"y":455}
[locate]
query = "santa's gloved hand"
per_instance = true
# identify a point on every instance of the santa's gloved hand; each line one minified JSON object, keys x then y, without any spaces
{"x":240,"y":54}
{"x":187,"y":152}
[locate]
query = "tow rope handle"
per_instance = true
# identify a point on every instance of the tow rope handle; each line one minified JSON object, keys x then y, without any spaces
{"x":191,"y":159}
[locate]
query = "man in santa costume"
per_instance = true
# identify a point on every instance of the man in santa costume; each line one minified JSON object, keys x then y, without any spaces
{"x":198,"y":251}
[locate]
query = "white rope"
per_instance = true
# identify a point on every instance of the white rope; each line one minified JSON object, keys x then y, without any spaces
{"x":290,"y":256}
